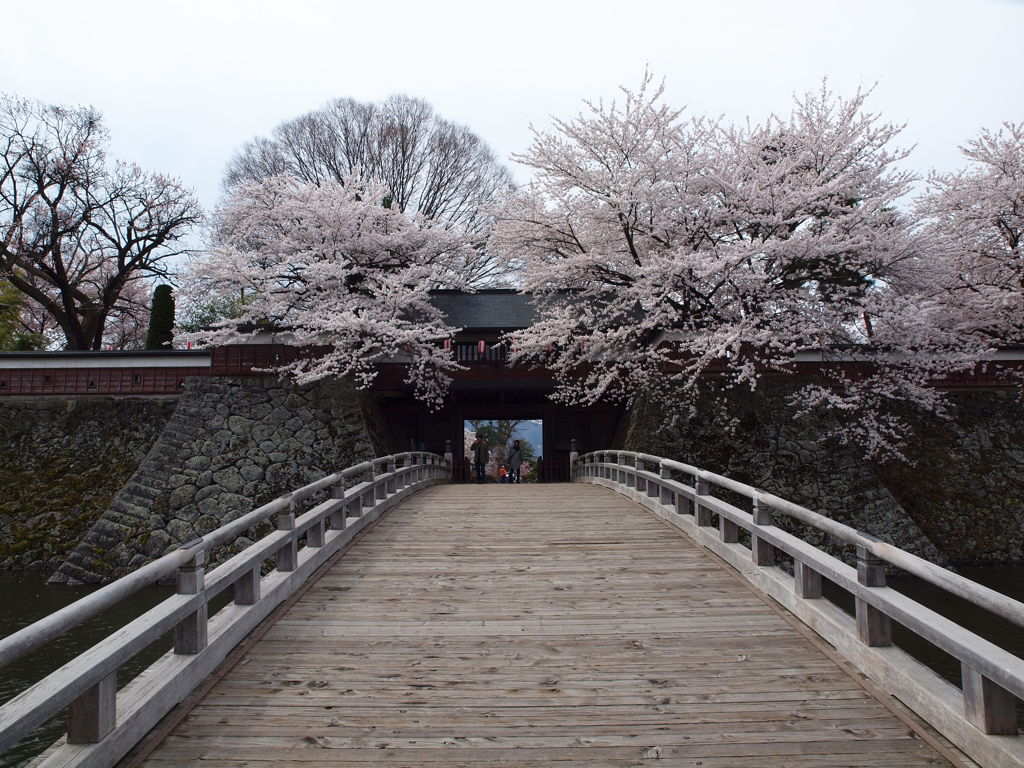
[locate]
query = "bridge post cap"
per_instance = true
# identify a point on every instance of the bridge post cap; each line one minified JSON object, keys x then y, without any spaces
{"x":196,"y":563}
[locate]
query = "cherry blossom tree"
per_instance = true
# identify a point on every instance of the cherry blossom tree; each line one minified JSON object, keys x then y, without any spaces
{"x":336,"y":270}
{"x":978,"y":216}
{"x":664,"y":247}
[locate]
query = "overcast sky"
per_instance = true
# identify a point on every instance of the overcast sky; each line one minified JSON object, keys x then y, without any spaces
{"x":182,"y":85}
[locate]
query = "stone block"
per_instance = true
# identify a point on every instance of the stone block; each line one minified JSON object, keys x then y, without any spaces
{"x":240,"y":425}
{"x":229,"y":479}
{"x":182,"y":497}
{"x":251,"y":473}
{"x":198,"y":463}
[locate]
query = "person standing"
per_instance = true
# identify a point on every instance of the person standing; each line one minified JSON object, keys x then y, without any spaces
{"x":479,"y":456}
{"x":515,"y":460}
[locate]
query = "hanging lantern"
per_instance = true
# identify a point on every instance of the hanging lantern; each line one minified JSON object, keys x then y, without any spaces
{"x":481,"y":347}
{"x":447,"y":345}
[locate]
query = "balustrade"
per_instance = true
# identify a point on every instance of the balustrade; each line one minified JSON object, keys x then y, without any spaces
{"x":992,"y":678}
{"x":103,"y":723}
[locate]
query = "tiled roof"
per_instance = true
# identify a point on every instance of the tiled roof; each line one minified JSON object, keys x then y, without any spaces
{"x":495,"y":309}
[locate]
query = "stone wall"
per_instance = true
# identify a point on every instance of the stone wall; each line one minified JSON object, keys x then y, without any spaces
{"x":62,"y":460}
{"x":753,"y":437}
{"x":231,"y":445}
{"x":959,"y":500}
{"x":965,"y":488}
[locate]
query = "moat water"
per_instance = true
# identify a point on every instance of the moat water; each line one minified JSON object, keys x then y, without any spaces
{"x":27,"y":598}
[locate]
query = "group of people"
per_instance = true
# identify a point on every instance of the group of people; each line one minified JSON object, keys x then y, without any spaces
{"x":511,"y":472}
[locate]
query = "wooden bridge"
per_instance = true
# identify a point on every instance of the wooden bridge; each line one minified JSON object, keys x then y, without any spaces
{"x":605,"y":622}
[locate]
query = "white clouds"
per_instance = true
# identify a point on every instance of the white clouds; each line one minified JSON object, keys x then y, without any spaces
{"x":183,"y":84}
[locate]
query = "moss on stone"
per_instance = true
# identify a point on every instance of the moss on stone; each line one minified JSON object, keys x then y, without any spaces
{"x":61,"y":462}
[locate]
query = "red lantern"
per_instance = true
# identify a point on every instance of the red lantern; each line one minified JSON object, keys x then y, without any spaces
{"x":447,"y":345}
{"x":481,"y":347}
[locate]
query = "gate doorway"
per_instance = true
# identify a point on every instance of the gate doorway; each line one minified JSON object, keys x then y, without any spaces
{"x":413,"y":426}
{"x":499,"y":435}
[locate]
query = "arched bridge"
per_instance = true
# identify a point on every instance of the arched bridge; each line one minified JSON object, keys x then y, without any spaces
{"x":648,"y":613}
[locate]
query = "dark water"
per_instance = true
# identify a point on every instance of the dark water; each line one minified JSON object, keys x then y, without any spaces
{"x":24,"y":598}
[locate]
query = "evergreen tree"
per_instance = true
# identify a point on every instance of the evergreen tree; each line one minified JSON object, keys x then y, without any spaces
{"x":161,"y":319}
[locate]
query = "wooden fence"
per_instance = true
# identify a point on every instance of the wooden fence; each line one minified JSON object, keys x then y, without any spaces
{"x":980,"y":717}
{"x":103,"y":723}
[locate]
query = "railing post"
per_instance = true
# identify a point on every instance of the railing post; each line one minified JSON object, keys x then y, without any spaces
{"x":653,"y":486}
{"x":666,"y":495}
{"x":391,"y":484}
{"x":247,"y":587}
{"x":574,"y":455}
{"x":316,"y":534}
{"x":287,"y":557}
{"x":380,"y":490}
{"x":355,"y":506}
{"x":807,"y":581}
{"x":873,"y":627}
{"x":406,"y":478}
{"x":987,"y":705}
{"x":761,"y":552}
{"x":684,"y":506}
{"x":93,"y":714}
{"x":340,"y":513}
{"x":728,"y":530}
{"x":701,"y":513}
{"x":190,"y":634}
{"x":620,"y":474}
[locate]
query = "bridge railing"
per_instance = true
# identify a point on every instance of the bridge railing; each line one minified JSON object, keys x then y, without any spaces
{"x":992,"y":678}
{"x":103,"y":724}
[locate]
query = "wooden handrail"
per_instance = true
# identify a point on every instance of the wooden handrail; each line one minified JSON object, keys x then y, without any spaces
{"x":86,"y":684}
{"x":993,"y":678}
{"x":982,"y":596}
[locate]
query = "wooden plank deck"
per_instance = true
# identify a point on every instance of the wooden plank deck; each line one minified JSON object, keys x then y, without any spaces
{"x":535,"y":625}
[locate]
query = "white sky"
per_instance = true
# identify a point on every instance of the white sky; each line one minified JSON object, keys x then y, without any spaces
{"x":182,"y":85}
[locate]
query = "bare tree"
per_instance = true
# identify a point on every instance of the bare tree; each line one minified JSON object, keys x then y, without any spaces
{"x":76,"y":230}
{"x":428,"y":165}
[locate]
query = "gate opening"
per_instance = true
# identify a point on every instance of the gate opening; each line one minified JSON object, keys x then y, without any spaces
{"x":499,"y":436}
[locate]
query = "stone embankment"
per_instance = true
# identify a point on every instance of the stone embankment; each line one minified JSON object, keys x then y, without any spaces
{"x":62,"y":461}
{"x":959,"y":500}
{"x":231,"y":445}
{"x":93,"y":487}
